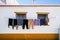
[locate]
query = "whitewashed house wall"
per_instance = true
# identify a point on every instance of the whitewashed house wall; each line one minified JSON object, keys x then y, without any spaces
{"x":8,"y":12}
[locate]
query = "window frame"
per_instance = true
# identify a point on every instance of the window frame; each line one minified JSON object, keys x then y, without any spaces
{"x":43,"y":13}
{"x":20,"y":13}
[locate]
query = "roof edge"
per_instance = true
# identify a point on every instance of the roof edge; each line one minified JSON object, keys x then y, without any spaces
{"x":29,"y":5}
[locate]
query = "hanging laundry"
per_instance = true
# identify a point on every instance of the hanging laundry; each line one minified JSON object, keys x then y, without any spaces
{"x":19,"y":21}
{"x":36,"y":22}
{"x":15,"y":24}
{"x":25,"y":23}
{"x":30,"y":23}
{"x":10,"y":22}
{"x":47,"y":20}
{"x":43,"y":21}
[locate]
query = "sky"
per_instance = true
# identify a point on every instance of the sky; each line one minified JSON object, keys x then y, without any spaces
{"x":39,"y":1}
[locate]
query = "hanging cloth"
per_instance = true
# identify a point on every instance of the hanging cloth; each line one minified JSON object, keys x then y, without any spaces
{"x":25,"y":23}
{"x":30,"y":23}
{"x":37,"y":22}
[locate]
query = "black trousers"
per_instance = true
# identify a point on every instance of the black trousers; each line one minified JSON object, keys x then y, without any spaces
{"x":10,"y":22}
{"x":14,"y":23}
{"x":25,"y":23}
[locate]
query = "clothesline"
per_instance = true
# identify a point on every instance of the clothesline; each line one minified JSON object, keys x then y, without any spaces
{"x":26,"y":22}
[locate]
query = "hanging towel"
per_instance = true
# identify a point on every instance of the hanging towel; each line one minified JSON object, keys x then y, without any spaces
{"x":36,"y":22}
{"x":30,"y":23}
{"x":19,"y":21}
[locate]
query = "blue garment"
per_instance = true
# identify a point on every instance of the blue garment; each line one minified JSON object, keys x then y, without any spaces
{"x":19,"y":21}
{"x":42,"y":22}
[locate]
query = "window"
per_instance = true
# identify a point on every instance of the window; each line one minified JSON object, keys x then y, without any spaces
{"x":21,"y":15}
{"x":43,"y":16}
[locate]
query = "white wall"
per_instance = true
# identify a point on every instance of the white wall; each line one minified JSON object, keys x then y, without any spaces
{"x":8,"y":12}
